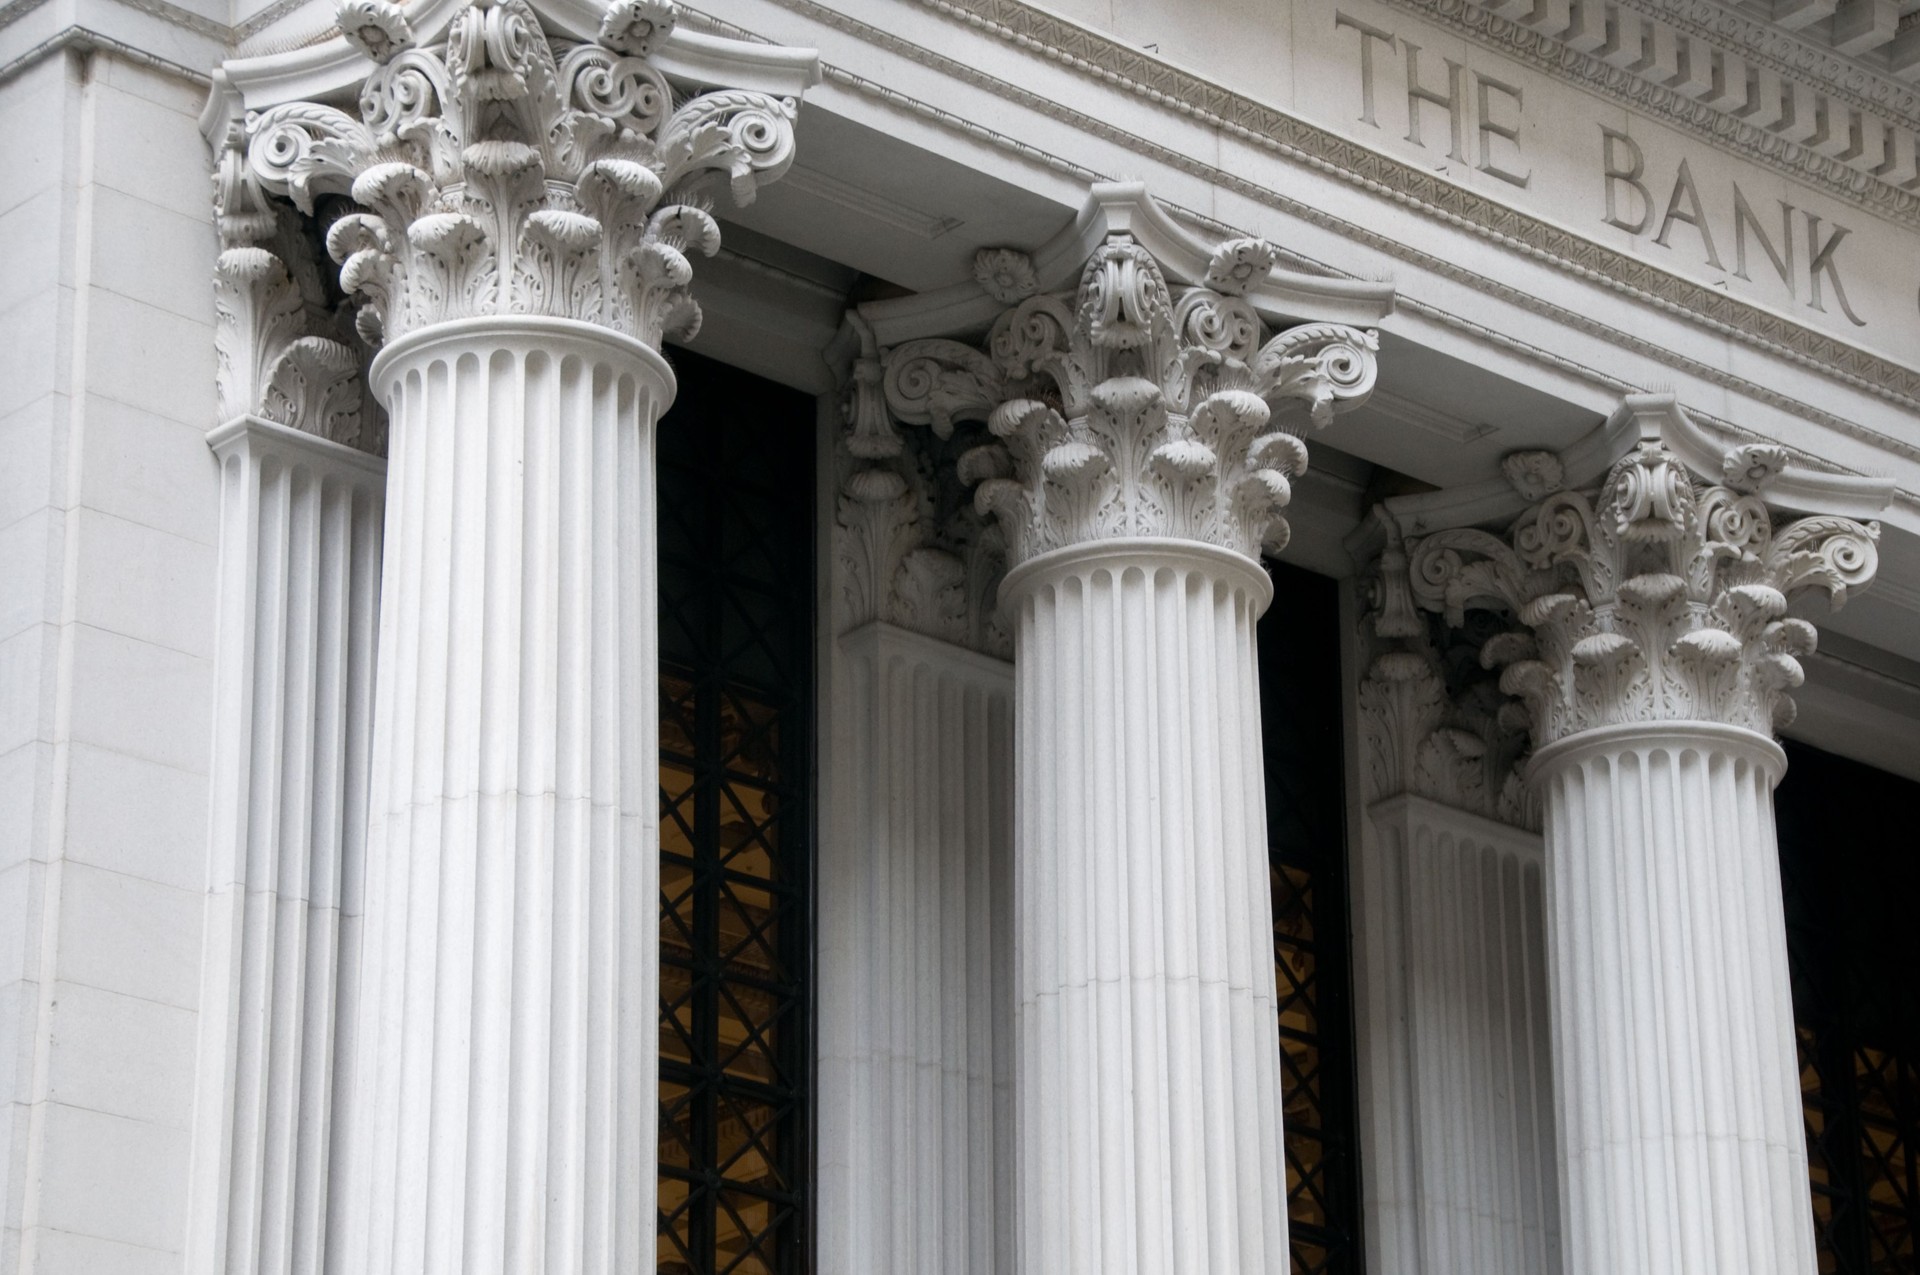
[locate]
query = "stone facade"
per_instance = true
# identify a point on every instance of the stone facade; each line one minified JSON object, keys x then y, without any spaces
{"x":1576,"y":339}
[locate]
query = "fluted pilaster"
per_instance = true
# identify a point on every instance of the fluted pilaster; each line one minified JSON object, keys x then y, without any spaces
{"x":1451,"y":977}
{"x":1461,"y":1167}
{"x":300,"y":545}
{"x":915,"y":962}
{"x":505,"y":1098}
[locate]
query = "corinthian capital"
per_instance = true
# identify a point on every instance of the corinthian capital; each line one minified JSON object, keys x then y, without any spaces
{"x":1128,"y":407}
{"x":1660,"y":595}
{"x":501,"y":170}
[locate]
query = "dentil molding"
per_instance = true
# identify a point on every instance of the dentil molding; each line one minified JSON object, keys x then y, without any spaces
{"x":1661,"y":594}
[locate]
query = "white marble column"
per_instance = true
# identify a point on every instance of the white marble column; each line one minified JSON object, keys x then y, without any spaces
{"x":1461,"y":1178}
{"x":1655,"y":662}
{"x":1682,"y":1118}
{"x":915,"y":950}
{"x":506,"y":1093}
{"x":530,"y":214}
{"x":1148,"y":1042}
{"x":294,"y":666}
{"x":1136,"y":477}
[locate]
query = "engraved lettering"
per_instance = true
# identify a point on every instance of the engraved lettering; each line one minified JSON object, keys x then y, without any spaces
{"x":1449,"y":101}
{"x":1820,"y":260}
{"x":1692,"y":214}
{"x":1743,"y":219}
{"x":1616,"y":175}
{"x":1367,"y":35}
{"x":1489,"y":130}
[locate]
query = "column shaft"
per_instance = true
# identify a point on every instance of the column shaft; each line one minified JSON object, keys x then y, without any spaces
{"x":1148,"y":1057}
{"x":505,"y":1101}
{"x":1680,"y":1119}
{"x":915,"y":963}
{"x":299,"y":595}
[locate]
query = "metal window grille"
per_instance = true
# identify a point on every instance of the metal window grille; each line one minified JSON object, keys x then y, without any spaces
{"x":736,"y":632}
{"x":1300,"y":716}
{"x":1852,"y":891}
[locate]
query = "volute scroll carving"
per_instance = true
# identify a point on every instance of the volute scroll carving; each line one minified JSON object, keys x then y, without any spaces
{"x":912,"y":550}
{"x":283,"y":348}
{"x":1661,"y":596}
{"x":500,"y":170}
{"x":1129,"y":408}
{"x":1433,"y":721}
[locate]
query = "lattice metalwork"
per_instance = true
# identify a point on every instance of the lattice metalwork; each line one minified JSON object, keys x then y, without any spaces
{"x":736,"y":623}
{"x":1852,"y":888}
{"x":1306,"y":813}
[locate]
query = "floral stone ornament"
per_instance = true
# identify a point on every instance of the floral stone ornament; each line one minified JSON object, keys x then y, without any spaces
{"x":1122,"y":409}
{"x":501,"y":171}
{"x":1659,"y":597}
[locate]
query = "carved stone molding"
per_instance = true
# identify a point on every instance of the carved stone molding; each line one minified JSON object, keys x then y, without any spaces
{"x":503,"y":170}
{"x":911,"y":549}
{"x":1127,"y":407}
{"x":1433,"y":723}
{"x":1659,"y":596}
{"x":284,"y":351}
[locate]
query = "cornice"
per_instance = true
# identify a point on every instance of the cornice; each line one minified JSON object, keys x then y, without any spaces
{"x":1353,"y":163}
{"x":1790,"y":53}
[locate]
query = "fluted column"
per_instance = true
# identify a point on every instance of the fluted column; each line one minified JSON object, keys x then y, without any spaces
{"x":1136,"y":475}
{"x":506,"y":1093}
{"x":1681,"y":1117}
{"x":1655,"y":656}
{"x":1148,"y":1044}
{"x":528,"y":206}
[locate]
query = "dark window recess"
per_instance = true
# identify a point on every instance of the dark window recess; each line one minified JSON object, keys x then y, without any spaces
{"x":736,"y":825}
{"x":1850,"y":867}
{"x":1306,"y":826}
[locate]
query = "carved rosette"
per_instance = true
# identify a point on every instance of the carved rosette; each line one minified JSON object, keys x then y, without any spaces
{"x":1122,"y":409}
{"x":501,"y":171}
{"x":1659,"y":597}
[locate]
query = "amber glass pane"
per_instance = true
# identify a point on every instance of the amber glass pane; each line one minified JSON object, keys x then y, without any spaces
{"x":735,"y":640}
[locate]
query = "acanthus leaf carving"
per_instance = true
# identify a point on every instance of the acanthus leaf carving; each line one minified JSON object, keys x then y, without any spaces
{"x":1121,"y":409}
{"x":910,"y":547}
{"x":278,"y":344}
{"x":505,"y":171}
{"x":1662,"y":596}
{"x":1433,"y":722}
